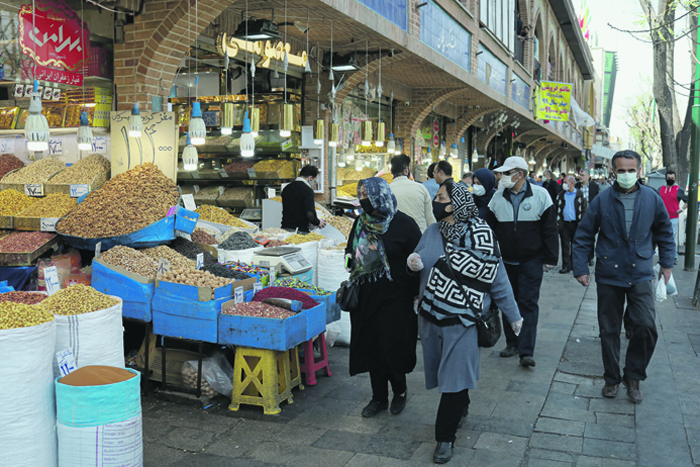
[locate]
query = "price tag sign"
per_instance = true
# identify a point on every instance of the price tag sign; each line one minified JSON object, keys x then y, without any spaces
{"x":221,"y":190}
{"x":252,"y":174}
{"x":66,"y":361}
{"x":76,"y":191}
{"x":196,"y":188}
{"x":200,"y":260}
{"x":34,"y":189}
{"x":188,"y":200}
{"x":99,"y":144}
{"x":271,"y":192}
{"x":48,"y":224}
{"x":98,"y":249}
{"x":51,"y":277}
{"x":238,"y":295}
{"x":223,"y":173}
{"x":273,"y":276}
{"x":163,"y":267}
{"x":195,"y":174}
{"x":257,"y":287}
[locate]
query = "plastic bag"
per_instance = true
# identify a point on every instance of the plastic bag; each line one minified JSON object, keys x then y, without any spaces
{"x":344,"y":325}
{"x":217,"y":373}
{"x":73,"y":256}
{"x":332,"y":333}
{"x":660,"y":290}
{"x":671,"y":288}
{"x":77,"y":278}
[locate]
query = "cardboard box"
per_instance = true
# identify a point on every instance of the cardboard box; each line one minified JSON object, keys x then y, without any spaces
{"x":174,"y":361}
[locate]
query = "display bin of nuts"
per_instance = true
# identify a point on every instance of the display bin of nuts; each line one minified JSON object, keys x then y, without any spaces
{"x":203,"y":293}
{"x":24,"y":248}
{"x":207,"y":195}
{"x":275,"y":169}
{"x":158,"y":233}
{"x":236,"y":197}
{"x":257,"y":331}
{"x":54,"y":206}
{"x":7,"y":222}
{"x":174,"y":316}
{"x":134,"y":289}
{"x":35,"y":175}
{"x":65,"y":188}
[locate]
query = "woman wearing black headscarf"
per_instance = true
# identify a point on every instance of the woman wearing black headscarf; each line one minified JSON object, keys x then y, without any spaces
{"x":384,"y":328}
{"x":461,"y":272}
{"x":484,"y":186}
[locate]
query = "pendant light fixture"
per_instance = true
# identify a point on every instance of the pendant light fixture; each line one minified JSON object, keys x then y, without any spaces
{"x":190,"y":158}
{"x":135,"y":122}
{"x":36,"y":129}
{"x":197,"y":128}
{"x":381,"y":127}
{"x":334,"y":132}
{"x":454,"y":153}
{"x":254,"y":112}
{"x":330,"y":73}
{"x":307,"y":68}
{"x":391,"y":145}
{"x":84,"y":132}
{"x":226,"y":111}
{"x":318,"y":124}
{"x":475,"y":156}
{"x":287,"y":115}
{"x":247,"y":139}
{"x":366,"y":133}
{"x":443,"y":150}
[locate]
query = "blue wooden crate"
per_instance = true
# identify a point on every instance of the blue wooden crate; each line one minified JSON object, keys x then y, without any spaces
{"x":190,"y":292}
{"x":185,"y":220}
{"x":175,"y":316}
{"x":332,"y":308}
{"x":315,"y":320}
{"x":136,"y":295}
{"x":307,"y":276}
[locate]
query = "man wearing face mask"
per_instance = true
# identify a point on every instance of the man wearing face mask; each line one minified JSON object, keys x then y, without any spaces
{"x":525,"y":221}
{"x":571,"y":207}
{"x":630,"y":219}
{"x":672,"y":195}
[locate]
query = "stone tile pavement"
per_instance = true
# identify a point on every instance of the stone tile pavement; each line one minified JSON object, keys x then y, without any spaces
{"x":549,"y":416}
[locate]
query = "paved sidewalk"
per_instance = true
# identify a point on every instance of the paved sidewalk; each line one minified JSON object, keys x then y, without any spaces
{"x":549,"y":416}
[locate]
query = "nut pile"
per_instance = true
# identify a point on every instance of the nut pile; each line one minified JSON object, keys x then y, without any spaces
{"x":239,"y":241}
{"x":129,"y":202}
{"x":195,"y":277}
{"x":271,"y":232}
{"x":297,"y":239}
{"x":239,"y":166}
{"x":36,"y":172}
{"x":342,"y":223}
{"x":200,"y":236}
{"x":190,"y":250}
{"x":77,"y":300}
{"x":175,"y":259}
{"x":189,"y":377}
{"x":5,"y":233}
{"x":27,"y":298}
{"x":340,"y":246}
{"x":258,"y":310}
{"x":8,"y":163}
{"x":219,"y":216}
{"x":187,"y":189}
{"x":275,"y":243}
{"x":12,"y":202}
{"x":220,"y":270}
{"x":132,"y":260}
{"x":19,"y":315}
{"x":269,"y":165}
{"x":236,"y":194}
{"x":83,"y":171}
{"x":208,"y":193}
{"x":24,"y":242}
{"x":54,"y":205}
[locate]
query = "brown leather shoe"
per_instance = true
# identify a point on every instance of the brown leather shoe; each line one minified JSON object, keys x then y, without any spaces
{"x":610,"y":390}
{"x":634,"y":391}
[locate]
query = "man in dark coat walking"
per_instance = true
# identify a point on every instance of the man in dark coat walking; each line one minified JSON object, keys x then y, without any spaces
{"x":551,"y":185}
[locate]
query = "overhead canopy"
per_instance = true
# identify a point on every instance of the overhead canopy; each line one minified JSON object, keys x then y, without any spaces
{"x":566,"y":15}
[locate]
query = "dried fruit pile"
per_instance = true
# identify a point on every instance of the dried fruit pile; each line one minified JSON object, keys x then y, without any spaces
{"x":239,"y":166}
{"x":54,"y":205}
{"x":129,"y":202}
{"x":24,"y":242}
{"x":200,"y":236}
{"x":19,"y":315}
{"x":219,"y":216}
{"x":284,"y":292}
{"x":190,"y":250}
{"x":239,"y":241}
{"x":77,"y":300}
{"x":258,"y":310}
{"x":208,"y":193}
{"x":189,"y":377}
{"x":272,"y":232}
{"x":84,"y":171}
{"x":27,"y":298}
{"x":236,"y":194}
{"x":342,"y":223}
{"x":311,"y":237}
{"x":12,"y":202}
{"x":220,"y":270}
{"x":8,"y":163}
{"x":36,"y":172}
{"x":340,"y":246}
{"x":175,"y":259}
{"x":275,"y":243}
{"x":132,"y":260}
{"x":195,"y":278}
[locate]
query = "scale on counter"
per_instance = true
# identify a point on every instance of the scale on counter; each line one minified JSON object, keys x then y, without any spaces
{"x":252,"y":214}
{"x":347,"y":202}
{"x":282,"y":258}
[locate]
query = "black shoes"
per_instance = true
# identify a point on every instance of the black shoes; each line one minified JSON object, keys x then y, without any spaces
{"x":509,"y":352}
{"x":527,"y":361}
{"x":634,"y":391}
{"x":373,"y":408}
{"x":610,"y":390}
{"x":564,"y":271}
{"x":398,"y":403}
{"x":443,"y":453}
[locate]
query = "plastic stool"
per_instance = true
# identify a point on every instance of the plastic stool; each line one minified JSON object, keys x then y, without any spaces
{"x":294,"y":369}
{"x":261,"y":377}
{"x":310,"y":365}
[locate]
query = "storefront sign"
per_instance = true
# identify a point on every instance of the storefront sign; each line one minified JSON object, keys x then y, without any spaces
{"x":58,"y":76}
{"x":553,"y":101}
{"x":267,"y":50}
{"x":442,"y":33}
{"x":393,"y":10}
{"x":57,"y":34}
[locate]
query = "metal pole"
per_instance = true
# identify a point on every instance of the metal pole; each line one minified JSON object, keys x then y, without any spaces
{"x":692,"y":220}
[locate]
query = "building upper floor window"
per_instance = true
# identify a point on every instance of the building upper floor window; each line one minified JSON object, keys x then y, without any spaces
{"x":499,"y":16}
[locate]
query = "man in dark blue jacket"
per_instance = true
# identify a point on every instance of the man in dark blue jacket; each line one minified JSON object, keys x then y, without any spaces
{"x":629,"y":220}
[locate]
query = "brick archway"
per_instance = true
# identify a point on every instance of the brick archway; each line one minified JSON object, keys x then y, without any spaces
{"x":464,"y":122}
{"x":483,"y":143}
{"x":358,"y":77}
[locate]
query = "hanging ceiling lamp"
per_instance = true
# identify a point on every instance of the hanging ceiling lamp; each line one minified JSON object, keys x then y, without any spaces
{"x":307,"y":68}
{"x":443,"y":150}
{"x":475,"y":156}
{"x":84,"y":133}
{"x":318,"y":124}
{"x":333,"y":137}
{"x":350,"y":153}
{"x":197,"y":128}
{"x":454,"y":153}
{"x":36,"y":129}
{"x":255,"y":122}
{"x":287,"y":120}
{"x":366,"y":133}
{"x":366,"y":126}
{"x":135,"y":122}
{"x":381,"y":127}
{"x":190,"y":158}
{"x":330,"y":73}
{"x":318,"y":132}
{"x":247,"y":139}
{"x":227,"y":108}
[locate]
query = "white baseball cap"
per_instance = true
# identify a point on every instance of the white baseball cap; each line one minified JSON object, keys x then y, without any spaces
{"x":511,"y":163}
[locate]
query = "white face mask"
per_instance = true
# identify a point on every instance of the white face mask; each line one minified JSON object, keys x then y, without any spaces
{"x":479,"y":190}
{"x":565,"y":186}
{"x":507,"y":182}
{"x":627,"y":180}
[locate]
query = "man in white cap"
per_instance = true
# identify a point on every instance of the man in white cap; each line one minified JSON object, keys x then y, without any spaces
{"x":525,"y":221}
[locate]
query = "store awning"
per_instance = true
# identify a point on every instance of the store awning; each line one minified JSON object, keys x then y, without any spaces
{"x":581,"y":117}
{"x":600,"y":151}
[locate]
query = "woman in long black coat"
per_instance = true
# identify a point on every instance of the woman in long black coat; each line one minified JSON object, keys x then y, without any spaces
{"x":384,"y":327}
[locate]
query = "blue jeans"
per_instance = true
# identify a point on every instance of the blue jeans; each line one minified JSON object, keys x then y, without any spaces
{"x":674,"y":224}
{"x":526,"y":279}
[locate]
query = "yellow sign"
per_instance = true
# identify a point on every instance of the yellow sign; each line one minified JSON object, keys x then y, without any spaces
{"x":267,"y":51}
{"x":553,"y":101}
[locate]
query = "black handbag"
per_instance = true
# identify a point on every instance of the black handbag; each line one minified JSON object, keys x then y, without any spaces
{"x":348,"y":296}
{"x":488,"y":324}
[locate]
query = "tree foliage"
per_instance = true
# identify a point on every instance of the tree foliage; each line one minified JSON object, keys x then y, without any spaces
{"x":644,"y":128}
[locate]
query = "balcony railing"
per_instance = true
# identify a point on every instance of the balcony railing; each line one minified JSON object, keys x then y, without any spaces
{"x":537,"y":71}
{"x":519,"y":50}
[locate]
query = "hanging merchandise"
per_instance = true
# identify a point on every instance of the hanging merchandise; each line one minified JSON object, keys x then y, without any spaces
{"x":190,"y":158}
{"x":36,"y":129}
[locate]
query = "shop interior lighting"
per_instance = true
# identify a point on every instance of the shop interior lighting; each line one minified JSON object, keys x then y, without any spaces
{"x":226,"y":108}
{"x":307,"y":68}
{"x":443,"y":150}
{"x":197,"y":128}
{"x":454,"y":153}
{"x":318,"y":132}
{"x":391,"y":145}
{"x":333,"y":138}
{"x":381,"y":134}
{"x":330,"y":73}
{"x":36,"y":129}
{"x":359,"y":164}
{"x":318,"y":124}
{"x":350,"y":154}
{"x":247,"y":139}
{"x":287,"y":123}
{"x":135,"y":123}
{"x":367,"y":133}
{"x":84,"y":133}
{"x":346,"y":63}
{"x":257,"y":30}
{"x":366,"y":126}
{"x":255,"y":122}
{"x":475,"y":156}
{"x":381,"y":127}
{"x":190,"y":158}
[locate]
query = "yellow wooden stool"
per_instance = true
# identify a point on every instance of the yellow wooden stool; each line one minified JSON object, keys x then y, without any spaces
{"x":264,"y":377}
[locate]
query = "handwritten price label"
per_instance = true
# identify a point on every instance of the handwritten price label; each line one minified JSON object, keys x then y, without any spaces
{"x":200,"y":260}
{"x":48,"y":224}
{"x":189,"y":202}
{"x":163,"y":267}
{"x":257,"y":287}
{"x":76,"y":191}
{"x":238,"y":298}
{"x":34,"y":189}
{"x":66,"y":361}
{"x":51,"y":278}
{"x":252,"y":174}
{"x":223,"y":173}
{"x":98,"y":249}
